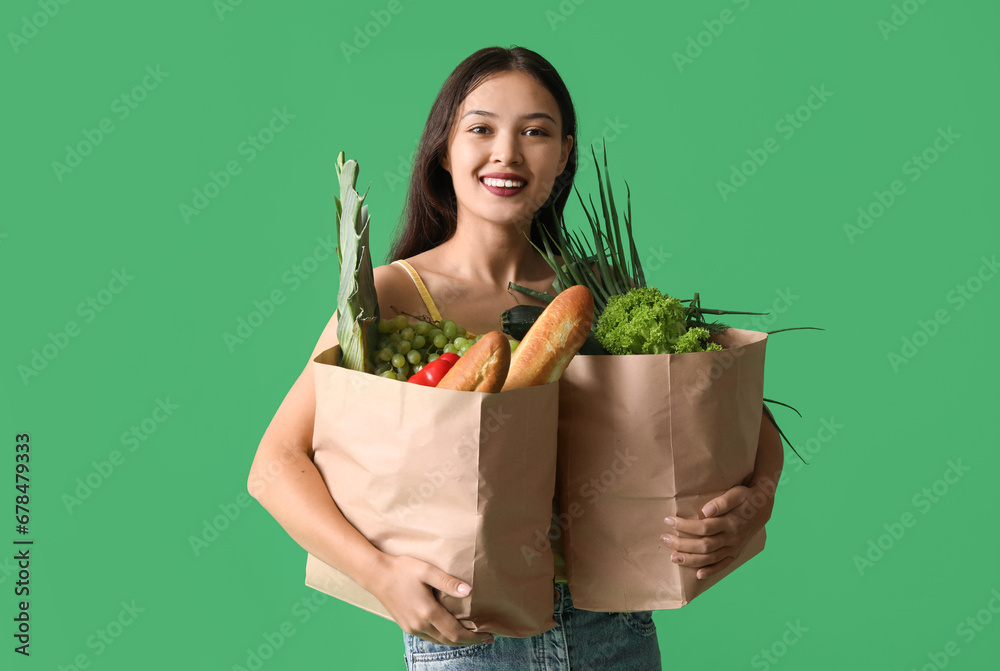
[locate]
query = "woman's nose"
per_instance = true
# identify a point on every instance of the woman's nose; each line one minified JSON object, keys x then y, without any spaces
{"x":507,"y":148}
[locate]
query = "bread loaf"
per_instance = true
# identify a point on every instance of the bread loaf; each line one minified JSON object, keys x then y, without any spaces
{"x":553,"y":340}
{"x":483,"y":367}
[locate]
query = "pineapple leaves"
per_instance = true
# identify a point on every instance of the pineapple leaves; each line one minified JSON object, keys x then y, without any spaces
{"x":357,"y":302}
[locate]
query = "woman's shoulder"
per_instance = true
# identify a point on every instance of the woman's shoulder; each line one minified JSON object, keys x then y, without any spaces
{"x":394,"y":288}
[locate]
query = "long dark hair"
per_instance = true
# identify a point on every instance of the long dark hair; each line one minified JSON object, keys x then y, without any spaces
{"x":431,"y":210}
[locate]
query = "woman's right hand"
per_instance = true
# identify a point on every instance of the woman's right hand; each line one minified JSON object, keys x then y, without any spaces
{"x":404,"y":588}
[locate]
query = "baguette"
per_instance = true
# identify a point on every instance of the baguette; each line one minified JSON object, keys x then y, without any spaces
{"x":482,"y":368}
{"x":553,"y":340}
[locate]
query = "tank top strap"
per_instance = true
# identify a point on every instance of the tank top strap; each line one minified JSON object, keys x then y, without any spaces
{"x":422,"y":288}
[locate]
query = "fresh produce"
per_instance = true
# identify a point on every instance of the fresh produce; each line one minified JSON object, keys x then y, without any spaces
{"x":430,"y":374}
{"x":516,"y":322}
{"x":553,"y":340}
{"x":404,"y":347}
{"x":357,"y":303}
{"x":695,"y":339}
{"x":644,"y":321}
{"x":609,"y":265}
{"x":482,"y":368}
{"x":395,"y":347}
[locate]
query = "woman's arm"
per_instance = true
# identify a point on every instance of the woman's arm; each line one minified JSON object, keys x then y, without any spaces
{"x":284,"y":479}
{"x":732,"y":518}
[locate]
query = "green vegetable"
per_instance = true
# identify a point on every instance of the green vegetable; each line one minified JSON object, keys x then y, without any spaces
{"x":516,"y":321}
{"x":695,"y":340}
{"x":357,"y":303}
{"x":602,"y":265}
{"x":607,"y":262}
{"x":644,"y":321}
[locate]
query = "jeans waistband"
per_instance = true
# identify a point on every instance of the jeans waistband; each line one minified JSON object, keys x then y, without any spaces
{"x":562,"y":601}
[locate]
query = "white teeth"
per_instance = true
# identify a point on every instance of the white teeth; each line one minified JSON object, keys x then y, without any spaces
{"x":506,"y":183}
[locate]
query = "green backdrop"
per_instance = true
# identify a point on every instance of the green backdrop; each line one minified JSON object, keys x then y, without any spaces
{"x":169,"y":169}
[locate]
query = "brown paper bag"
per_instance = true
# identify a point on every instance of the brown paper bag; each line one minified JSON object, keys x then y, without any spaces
{"x":642,"y":437}
{"x":461,"y":480}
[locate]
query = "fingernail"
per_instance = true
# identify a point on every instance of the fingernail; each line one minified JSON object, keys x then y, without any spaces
{"x":677,"y":559}
{"x":671,"y":522}
{"x":464,"y":589}
{"x":709,"y":510}
{"x":667,"y":539}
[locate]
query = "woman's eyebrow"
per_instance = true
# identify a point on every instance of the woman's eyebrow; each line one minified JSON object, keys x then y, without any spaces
{"x":533,"y":115}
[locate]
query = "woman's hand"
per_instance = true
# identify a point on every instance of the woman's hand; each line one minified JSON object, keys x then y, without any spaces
{"x":729,"y":520}
{"x":713,"y":542}
{"x":404,"y":588}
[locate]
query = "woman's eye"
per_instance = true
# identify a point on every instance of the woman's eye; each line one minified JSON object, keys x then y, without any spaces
{"x":482,"y":130}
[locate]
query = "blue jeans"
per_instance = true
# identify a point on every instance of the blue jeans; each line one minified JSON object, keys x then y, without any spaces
{"x":582,"y":640}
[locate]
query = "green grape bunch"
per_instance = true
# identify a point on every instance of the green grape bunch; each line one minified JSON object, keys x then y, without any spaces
{"x":404,"y":346}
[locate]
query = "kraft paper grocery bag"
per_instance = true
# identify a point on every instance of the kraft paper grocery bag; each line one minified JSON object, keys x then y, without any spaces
{"x":462,"y":480}
{"x":643,"y":437}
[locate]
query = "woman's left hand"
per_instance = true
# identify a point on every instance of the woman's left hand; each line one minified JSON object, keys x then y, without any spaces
{"x":713,"y":542}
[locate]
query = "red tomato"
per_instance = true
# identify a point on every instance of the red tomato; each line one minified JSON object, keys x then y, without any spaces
{"x":431,"y":374}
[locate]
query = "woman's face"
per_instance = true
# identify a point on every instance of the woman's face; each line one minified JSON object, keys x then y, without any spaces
{"x":505,"y":150}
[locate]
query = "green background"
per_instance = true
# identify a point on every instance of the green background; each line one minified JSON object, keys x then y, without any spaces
{"x":674,"y":131}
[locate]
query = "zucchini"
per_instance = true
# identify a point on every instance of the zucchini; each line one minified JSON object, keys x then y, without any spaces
{"x":516,"y":321}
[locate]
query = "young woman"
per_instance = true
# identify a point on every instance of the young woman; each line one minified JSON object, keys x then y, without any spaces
{"x":497,"y":150}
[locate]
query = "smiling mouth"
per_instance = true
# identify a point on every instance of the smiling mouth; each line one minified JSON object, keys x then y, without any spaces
{"x":502,"y":187}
